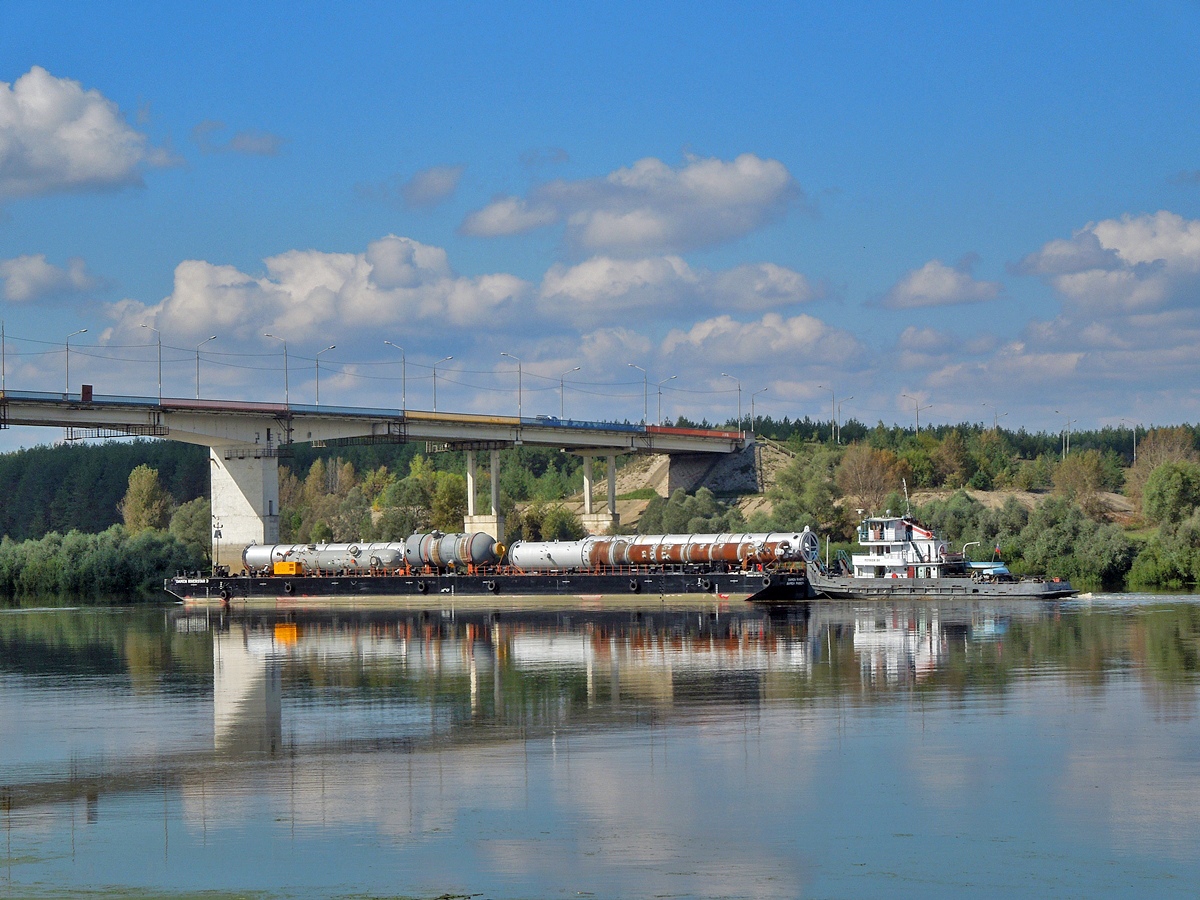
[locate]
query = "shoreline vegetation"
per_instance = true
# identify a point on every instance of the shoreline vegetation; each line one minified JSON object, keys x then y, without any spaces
{"x":96,"y":522}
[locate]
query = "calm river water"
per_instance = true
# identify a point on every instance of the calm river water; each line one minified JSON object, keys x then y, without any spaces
{"x":927,"y":749}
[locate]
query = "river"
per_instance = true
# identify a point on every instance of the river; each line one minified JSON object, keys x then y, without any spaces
{"x":837,"y":749}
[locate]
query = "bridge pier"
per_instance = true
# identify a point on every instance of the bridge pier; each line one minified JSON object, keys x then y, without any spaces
{"x":245,"y":505}
{"x":599,"y":522}
{"x":493,"y":524}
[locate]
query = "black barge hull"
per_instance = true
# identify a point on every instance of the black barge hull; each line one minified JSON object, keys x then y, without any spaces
{"x":757,"y":587}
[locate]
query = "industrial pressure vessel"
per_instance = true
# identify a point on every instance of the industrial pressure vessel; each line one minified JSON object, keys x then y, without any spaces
{"x":656,"y":549}
{"x":328,"y":557}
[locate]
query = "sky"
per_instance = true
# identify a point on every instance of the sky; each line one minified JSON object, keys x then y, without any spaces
{"x":970,"y":212}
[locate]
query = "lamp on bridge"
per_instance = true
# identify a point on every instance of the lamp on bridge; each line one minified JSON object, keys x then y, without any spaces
{"x":510,"y":356}
{"x":753,"y":418}
{"x":434,"y":367}
{"x":67,"y":386}
{"x":403,"y":376}
{"x":158,"y":335}
{"x":739,"y":390}
{"x":659,"y":386}
{"x":286,"y":400}
{"x":645,"y":391}
{"x":562,"y":389}
{"x":318,"y":361}
{"x":198,"y":346}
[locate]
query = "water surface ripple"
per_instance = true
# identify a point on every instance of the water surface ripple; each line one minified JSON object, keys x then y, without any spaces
{"x":836,"y":749}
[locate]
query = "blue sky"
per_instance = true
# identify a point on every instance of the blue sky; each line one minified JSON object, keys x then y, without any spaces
{"x":994,"y":209}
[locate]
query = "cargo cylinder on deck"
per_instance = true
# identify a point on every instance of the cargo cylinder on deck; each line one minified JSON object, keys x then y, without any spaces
{"x":656,"y":549}
{"x":330,"y":557}
{"x":450,"y":551}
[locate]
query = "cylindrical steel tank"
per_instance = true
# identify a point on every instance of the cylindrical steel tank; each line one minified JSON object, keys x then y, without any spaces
{"x":656,"y":549}
{"x":445,"y":551}
{"x":329,"y":557}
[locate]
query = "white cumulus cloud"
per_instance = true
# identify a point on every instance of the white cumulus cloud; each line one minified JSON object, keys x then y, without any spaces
{"x":937,"y":284}
{"x":650,"y":207}
{"x":606,"y":287}
{"x":306,"y":293}
{"x":771,"y":339}
{"x":55,"y":136}
{"x":29,"y":278}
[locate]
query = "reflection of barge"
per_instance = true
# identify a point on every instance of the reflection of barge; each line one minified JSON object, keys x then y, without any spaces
{"x":759,"y":567}
{"x":903,"y":558}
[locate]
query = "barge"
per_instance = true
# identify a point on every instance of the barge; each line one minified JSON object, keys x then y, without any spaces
{"x":761,"y":568}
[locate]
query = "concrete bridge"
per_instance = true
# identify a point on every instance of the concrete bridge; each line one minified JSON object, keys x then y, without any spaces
{"x":246,"y":441}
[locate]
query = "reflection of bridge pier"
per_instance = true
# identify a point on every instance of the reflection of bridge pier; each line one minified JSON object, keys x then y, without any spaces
{"x":247,"y":693}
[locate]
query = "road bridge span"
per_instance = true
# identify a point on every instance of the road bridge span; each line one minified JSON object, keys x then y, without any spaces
{"x":246,"y":440}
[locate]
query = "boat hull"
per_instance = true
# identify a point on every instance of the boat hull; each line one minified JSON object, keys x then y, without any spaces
{"x":846,"y":587}
{"x":758,"y":587}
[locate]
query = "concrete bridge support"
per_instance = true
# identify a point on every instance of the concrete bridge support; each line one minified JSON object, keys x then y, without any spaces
{"x":600,"y":522}
{"x":245,"y":505}
{"x":493,"y":524}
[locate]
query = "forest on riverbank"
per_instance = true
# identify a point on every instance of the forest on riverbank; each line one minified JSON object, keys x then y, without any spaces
{"x":67,"y":527}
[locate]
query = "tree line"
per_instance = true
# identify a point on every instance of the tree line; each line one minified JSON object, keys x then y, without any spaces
{"x":102,"y":492}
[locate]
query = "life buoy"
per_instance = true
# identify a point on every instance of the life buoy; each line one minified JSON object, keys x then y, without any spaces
{"x":422,"y":587}
{"x":705,"y":584}
{"x":634,"y":585}
{"x":766,"y":582}
{"x":224,"y":595}
{"x":491,"y":586}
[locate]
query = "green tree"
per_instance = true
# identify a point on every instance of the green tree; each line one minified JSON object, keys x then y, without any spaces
{"x":1172,"y":492}
{"x":146,"y":504}
{"x":192,"y":526}
{"x":1081,"y":477}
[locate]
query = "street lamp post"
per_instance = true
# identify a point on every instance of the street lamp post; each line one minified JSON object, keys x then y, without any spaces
{"x":286,"y":398}
{"x":1134,"y":428}
{"x":198,"y":346}
{"x":839,"y":416}
{"x":403,"y":376}
{"x":158,"y":335}
{"x":659,"y":386}
{"x":739,"y":390}
{"x":645,"y":392}
{"x":917,"y":407}
{"x":67,"y":386}
{"x":753,"y":417}
{"x":510,"y":356}
{"x":1066,"y":443}
{"x":434,"y":367}
{"x":317,"y":359}
{"x":833,"y":412}
{"x":562,"y":392}
{"x":996,"y":417}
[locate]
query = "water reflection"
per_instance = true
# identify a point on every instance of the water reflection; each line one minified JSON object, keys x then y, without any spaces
{"x":702,"y":752}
